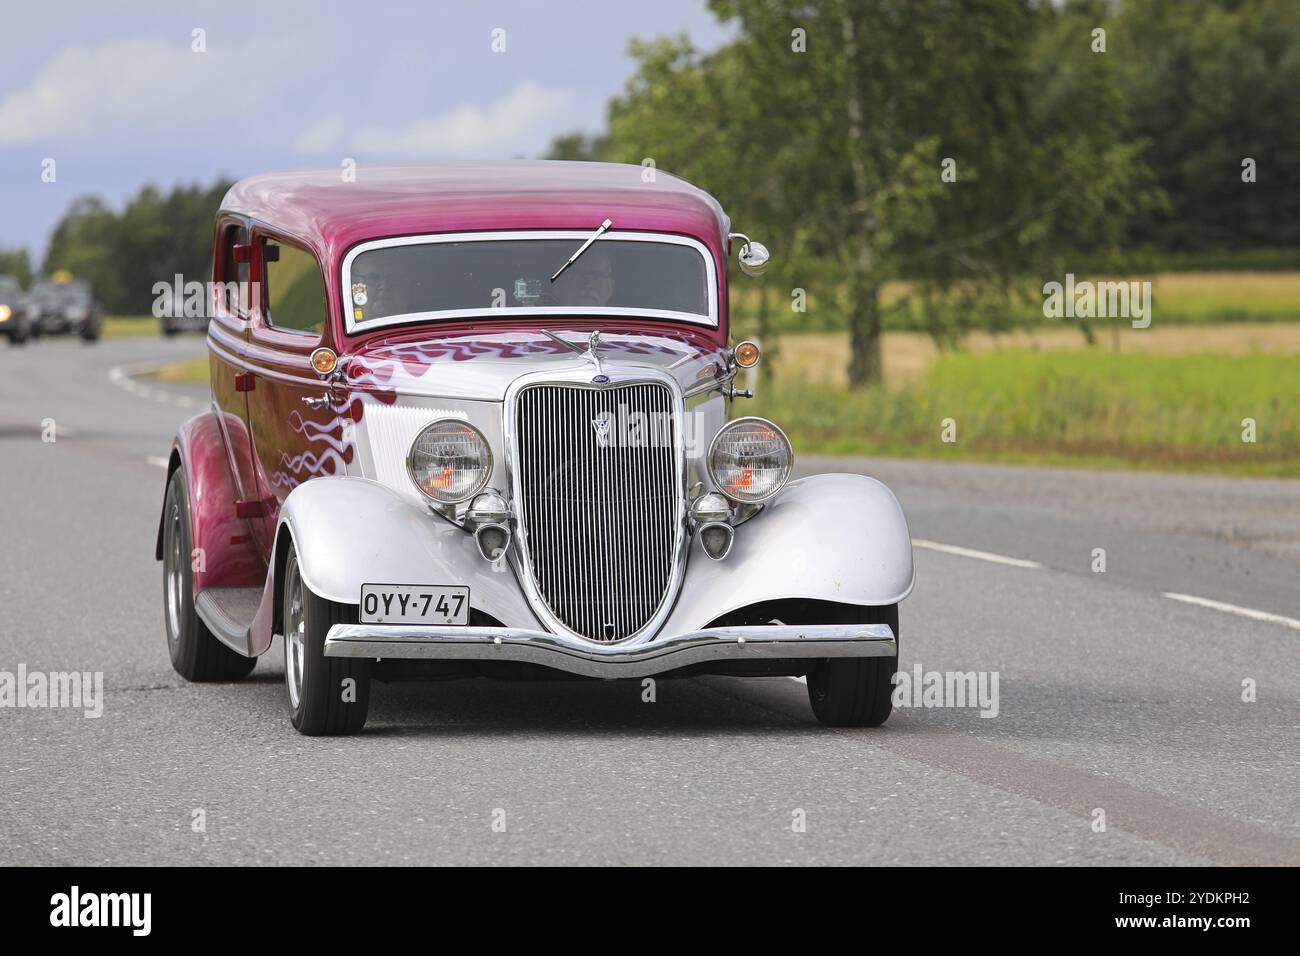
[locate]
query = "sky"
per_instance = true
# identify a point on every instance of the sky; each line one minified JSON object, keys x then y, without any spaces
{"x":117,"y":96}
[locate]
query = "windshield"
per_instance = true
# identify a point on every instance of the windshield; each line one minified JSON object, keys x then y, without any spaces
{"x":445,"y":277}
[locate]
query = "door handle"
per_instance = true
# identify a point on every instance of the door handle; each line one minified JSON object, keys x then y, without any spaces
{"x":312,"y":401}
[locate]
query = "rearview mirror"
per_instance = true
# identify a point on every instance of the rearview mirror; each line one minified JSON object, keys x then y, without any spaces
{"x":753,"y":256}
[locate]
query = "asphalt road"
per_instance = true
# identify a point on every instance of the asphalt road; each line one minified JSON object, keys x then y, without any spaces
{"x":1112,"y":695}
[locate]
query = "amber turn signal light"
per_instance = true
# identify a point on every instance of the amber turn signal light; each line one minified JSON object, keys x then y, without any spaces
{"x":746,"y":354}
{"x":323,"y":361}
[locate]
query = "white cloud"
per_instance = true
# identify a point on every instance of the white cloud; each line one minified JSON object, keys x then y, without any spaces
{"x":521,"y":121}
{"x":322,"y":136}
{"x":106,"y":93}
{"x":146,"y":92}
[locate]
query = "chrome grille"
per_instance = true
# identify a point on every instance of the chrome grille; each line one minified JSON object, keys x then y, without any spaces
{"x":601,"y":520}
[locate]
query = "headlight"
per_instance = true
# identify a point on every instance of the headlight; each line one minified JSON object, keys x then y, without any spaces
{"x":4,"y":313}
{"x":750,"y":459}
{"x":450,"y":461}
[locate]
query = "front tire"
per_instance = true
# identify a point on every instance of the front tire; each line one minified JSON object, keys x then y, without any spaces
{"x":856,"y":692}
{"x":328,"y":696}
{"x":196,"y":653}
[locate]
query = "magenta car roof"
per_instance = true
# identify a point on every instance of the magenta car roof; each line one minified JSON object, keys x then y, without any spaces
{"x":331,"y":215}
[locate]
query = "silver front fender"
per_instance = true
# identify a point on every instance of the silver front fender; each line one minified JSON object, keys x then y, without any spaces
{"x":354,"y":531}
{"x":833,"y":537}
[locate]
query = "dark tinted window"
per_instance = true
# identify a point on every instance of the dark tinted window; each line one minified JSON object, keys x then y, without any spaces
{"x":516,"y":274}
{"x":235,"y":275}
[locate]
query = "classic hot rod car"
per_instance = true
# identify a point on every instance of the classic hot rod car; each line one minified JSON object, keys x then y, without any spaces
{"x":474,"y":419}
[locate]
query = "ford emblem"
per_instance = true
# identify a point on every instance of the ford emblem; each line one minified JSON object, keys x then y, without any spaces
{"x":600,"y":380}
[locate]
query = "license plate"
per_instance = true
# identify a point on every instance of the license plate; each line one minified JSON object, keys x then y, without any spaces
{"x":414,"y":604}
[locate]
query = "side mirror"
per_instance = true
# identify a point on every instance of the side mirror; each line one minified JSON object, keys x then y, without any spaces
{"x":753,"y":256}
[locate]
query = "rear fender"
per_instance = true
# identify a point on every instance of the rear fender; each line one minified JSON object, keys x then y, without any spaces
{"x":224,"y":553}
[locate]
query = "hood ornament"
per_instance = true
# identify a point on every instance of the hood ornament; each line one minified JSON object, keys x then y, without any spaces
{"x":591,"y":354}
{"x":593,"y":343}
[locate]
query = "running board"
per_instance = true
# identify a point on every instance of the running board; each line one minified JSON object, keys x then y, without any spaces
{"x":229,"y":613}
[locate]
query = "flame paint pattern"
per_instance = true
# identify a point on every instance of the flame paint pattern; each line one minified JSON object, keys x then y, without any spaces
{"x":377,"y":371}
{"x":332,"y":459}
{"x":378,"y":368}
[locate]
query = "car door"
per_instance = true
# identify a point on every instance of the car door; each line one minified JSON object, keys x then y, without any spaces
{"x":230,"y":303}
{"x":298,"y":431}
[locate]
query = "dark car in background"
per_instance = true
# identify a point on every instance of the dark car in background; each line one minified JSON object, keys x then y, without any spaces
{"x":173,"y":318}
{"x":68,"y":306}
{"x":14,"y":321}
{"x":42,"y":300}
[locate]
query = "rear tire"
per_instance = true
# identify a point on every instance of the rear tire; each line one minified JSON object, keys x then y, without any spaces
{"x":856,"y":692}
{"x":328,"y":696}
{"x":196,"y":653}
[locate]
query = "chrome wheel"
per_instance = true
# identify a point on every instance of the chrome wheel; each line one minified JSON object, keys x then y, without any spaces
{"x":173,"y":572}
{"x":295,"y":631}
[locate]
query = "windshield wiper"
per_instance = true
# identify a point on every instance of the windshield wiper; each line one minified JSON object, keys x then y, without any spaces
{"x":604,"y":226}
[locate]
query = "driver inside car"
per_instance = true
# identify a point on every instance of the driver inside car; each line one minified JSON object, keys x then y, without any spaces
{"x":593,"y":277}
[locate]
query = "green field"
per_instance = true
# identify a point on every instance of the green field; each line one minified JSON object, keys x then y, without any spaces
{"x":1091,"y":408}
{"x":1178,"y":298}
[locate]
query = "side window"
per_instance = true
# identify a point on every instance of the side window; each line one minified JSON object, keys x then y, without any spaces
{"x":294,"y":292}
{"x":234,"y":275}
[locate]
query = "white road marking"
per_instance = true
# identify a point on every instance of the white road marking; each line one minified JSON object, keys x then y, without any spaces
{"x":159,"y":462}
{"x":1234,"y":609}
{"x":965,"y":553}
{"x":123,"y":376}
{"x":972,"y":553}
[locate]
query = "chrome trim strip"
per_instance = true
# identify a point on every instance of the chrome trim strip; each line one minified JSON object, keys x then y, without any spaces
{"x":587,"y":658}
{"x":353,"y":327}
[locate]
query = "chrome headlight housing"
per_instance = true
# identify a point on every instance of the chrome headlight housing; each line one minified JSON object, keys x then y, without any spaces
{"x":449,"y":461}
{"x":750,"y":460}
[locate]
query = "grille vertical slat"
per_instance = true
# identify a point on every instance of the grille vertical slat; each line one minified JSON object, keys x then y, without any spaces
{"x":599,"y":521}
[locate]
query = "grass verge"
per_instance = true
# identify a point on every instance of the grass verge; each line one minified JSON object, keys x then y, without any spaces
{"x":189,"y":372}
{"x":1089,"y":408}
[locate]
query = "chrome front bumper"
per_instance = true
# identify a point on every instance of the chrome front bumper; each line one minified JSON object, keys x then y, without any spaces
{"x":578,"y":656}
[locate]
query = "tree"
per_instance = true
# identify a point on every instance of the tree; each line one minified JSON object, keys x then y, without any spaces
{"x":1209,"y":85}
{"x":893,"y":94}
{"x":16,"y":263}
{"x":897,"y":139}
{"x":155,"y":237}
